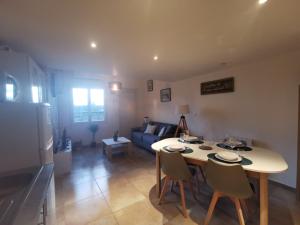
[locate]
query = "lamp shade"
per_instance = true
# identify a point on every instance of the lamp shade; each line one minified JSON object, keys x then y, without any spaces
{"x":115,"y":86}
{"x":183,"y":109}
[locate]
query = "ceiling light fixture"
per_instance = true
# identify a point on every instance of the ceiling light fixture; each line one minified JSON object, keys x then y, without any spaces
{"x":155,"y":58}
{"x":93,"y":44}
{"x":261,"y":2}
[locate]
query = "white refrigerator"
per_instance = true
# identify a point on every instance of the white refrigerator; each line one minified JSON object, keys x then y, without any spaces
{"x":25,"y":135}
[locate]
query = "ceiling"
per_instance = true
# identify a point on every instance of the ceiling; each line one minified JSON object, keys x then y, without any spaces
{"x":190,"y":37}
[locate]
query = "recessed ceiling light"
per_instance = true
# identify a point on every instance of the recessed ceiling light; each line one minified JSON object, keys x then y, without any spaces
{"x":261,"y":2}
{"x":93,"y":44}
{"x":155,"y":58}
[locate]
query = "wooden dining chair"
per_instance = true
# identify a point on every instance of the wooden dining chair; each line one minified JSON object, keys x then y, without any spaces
{"x":228,"y":180}
{"x":176,"y":170}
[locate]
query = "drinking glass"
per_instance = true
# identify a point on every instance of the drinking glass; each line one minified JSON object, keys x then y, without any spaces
{"x":182,"y":136}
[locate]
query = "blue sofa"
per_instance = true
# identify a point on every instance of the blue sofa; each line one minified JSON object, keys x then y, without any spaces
{"x":139,"y":138}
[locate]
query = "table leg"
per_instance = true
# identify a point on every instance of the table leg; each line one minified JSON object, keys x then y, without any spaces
{"x":108,"y":151}
{"x":264,"y":198}
{"x":129,"y":149}
{"x":158,"y":175}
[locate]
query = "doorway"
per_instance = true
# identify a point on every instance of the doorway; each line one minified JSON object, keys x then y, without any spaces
{"x":298,"y":162}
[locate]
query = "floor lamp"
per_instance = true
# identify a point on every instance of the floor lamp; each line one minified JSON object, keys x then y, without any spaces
{"x":182,"y":125}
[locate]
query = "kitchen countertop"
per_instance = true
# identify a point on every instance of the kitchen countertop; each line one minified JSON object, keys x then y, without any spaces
{"x":23,"y":206}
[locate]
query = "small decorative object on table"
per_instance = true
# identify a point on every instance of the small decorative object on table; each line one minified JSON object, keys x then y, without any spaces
{"x":116,"y":135}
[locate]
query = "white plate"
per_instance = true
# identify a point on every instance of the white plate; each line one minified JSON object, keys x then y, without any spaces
{"x":230,"y":156}
{"x":191,"y":138}
{"x":177,"y":148}
{"x":239,"y":159}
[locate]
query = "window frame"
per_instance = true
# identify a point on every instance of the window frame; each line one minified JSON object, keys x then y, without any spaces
{"x":10,"y":80}
{"x":89,"y":105}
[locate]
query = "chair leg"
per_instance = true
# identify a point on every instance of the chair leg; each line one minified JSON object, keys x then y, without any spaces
{"x":182,"y":199}
{"x":211,"y":208}
{"x":172,"y":185}
{"x":164,"y":190}
{"x":202,"y":174}
{"x":239,"y":211}
{"x":245,"y":208}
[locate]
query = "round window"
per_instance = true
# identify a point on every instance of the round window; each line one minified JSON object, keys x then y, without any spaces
{"x":10,"y":87}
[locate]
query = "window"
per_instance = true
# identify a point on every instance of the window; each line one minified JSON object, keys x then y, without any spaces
{"x":10,"y":88}
{"x":97,"y":104}
{"x":35,"y":94}
{"x":88,"y":105}
{"x":9,"y":92}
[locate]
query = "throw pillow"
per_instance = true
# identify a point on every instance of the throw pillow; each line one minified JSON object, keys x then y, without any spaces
{"x":168,"y":130}
{"x":150,"y":129}
{"x":161,"y":132}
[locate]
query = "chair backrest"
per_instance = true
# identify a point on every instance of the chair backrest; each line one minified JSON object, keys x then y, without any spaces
{"x":174,"y":165}
{"x":229,"y":179}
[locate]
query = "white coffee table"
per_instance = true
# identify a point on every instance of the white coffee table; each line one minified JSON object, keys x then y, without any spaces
{"x":109,"y":145}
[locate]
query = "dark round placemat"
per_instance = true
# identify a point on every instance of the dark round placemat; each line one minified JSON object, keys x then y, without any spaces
{"x":205,"y":147}
{"x":186,"y":151}
{"x":191,"y":142}
{"x":243,"y":148}
{"x":244,"y":162}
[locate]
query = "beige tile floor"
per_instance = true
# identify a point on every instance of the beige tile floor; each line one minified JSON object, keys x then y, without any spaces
{"x":122,"y":191}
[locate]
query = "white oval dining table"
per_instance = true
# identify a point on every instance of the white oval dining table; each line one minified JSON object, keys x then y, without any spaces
{"x":264,"y":163}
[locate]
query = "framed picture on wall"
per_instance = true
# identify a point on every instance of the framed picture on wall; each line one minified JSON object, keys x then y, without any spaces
{"x":217,"y":86}
{"x":165,"y":95}
{"x":150,"y":85}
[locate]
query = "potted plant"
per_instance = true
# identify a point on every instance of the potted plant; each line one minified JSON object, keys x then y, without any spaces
{"x":93,"y":129}
{"x":116,"y":136}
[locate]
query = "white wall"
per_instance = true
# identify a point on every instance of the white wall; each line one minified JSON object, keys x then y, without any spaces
{"x":113,"y":107}
{"x":263,"y":106}
{"x":26,"y":72}
{"x":16,"y":64}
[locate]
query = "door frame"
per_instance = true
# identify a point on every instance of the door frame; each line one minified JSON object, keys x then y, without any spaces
{"x":298,"y":162}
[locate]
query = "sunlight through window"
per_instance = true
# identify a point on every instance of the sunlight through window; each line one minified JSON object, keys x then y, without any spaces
{"x":9,"y":92}
{"x":88,"y":105}
{"x":35,"y":94}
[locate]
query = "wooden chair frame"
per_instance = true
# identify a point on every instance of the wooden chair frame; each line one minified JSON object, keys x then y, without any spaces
{"x":240,"y":206}
{"x":182,"y":193}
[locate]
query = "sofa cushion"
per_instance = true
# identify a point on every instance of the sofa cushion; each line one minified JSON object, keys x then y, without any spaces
{"x":150,"y":129}
{"x":170,"y":130}
{"x":137,"y":135}
{"x":161,"y":132}
{"x":150,"y":138}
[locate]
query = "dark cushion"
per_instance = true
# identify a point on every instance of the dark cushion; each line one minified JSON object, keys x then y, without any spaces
{"x":170,"y":130}
{"x":137,"y":135}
